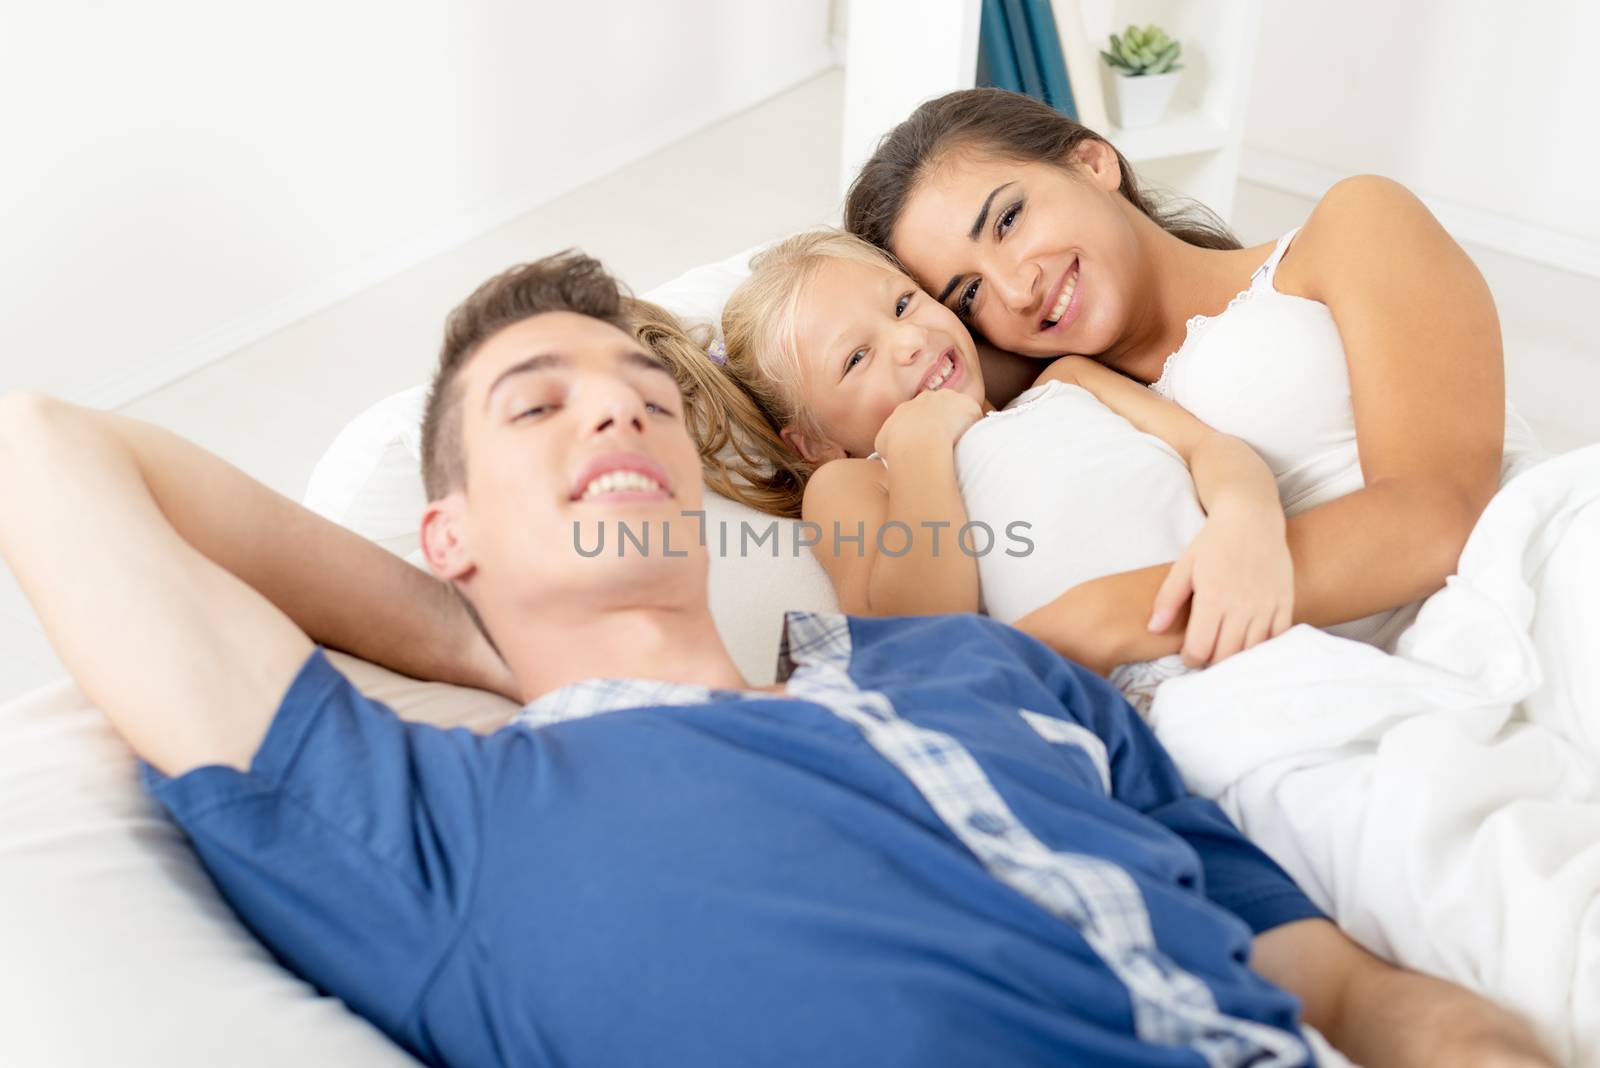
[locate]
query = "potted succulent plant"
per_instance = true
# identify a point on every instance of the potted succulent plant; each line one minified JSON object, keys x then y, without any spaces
{"x":1145,"y":62}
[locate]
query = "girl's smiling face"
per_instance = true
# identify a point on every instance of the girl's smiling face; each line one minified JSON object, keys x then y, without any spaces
{"x":869,"y":340}
{"x":1040,"y":259}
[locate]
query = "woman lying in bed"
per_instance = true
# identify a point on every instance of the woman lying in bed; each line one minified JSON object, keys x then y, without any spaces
{"x":1360,"y":356}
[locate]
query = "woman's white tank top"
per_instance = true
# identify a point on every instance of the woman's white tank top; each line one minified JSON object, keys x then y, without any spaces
{"x":1098,"y":496}
{"x":1271,"y":369}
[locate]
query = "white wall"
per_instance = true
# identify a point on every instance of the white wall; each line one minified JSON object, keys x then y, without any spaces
{"x":899,"y":53}
{"x":180,"y":177}
{"x":1490,"y":111}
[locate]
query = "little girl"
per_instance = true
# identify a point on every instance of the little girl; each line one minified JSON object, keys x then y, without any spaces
{"x":852,"y":398}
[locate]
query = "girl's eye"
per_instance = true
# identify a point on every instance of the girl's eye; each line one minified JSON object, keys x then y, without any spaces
{"x":968,"y":295}
{"x":855,"y":358}
{"x":534,"y":412}
{"x":1006,"y":219}
{"x":655,"y":409}
{"x":902,"y":304}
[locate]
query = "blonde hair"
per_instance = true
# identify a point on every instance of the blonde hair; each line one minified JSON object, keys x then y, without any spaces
{"x":741,"y":455}
{"x":735,"y":411}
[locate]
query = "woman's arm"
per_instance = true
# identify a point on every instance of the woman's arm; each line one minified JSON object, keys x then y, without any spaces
{"x":1427,"y":381}
{"x":1105,"y":622}
{"x":908,"y":515}
{"x":1226,"y":471}
{"x":1238,"y":570}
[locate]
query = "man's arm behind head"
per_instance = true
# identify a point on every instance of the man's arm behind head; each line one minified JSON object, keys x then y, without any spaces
{"x":187,"y":661}
{"x":179,"y":592}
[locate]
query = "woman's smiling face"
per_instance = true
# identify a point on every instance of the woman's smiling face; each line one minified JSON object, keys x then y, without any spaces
{"x":1040,"y":259}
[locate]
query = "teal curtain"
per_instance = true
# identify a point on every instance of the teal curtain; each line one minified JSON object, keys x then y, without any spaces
{"x":1019,"y":50}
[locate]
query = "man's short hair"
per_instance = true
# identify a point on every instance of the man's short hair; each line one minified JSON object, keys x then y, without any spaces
{"x":567,"y":281}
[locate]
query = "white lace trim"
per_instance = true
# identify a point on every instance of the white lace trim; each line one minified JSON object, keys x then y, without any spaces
{"x":1197,"y":324}
{"x":1193,"y":329}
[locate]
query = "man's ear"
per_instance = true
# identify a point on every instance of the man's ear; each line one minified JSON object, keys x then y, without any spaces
{"x":445,"y":544}
{"x":1099,"y":161}
{"x":813,"y":449}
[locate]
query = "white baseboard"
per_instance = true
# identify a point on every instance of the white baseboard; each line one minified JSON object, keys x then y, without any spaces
{"x":148,"y":375}
{"x":1465,"y":223}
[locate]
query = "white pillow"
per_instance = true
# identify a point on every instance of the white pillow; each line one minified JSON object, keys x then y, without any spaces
{"x":370,"y":481}
{"x":698,"y":295}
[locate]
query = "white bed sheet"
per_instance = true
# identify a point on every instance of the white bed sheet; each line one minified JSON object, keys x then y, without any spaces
{"x":1443,"y":803}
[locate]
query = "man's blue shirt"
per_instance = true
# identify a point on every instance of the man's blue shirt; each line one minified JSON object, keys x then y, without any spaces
{"x":947,"y":845}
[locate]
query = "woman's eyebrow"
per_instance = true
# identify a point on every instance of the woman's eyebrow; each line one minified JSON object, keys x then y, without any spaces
{"x":973,"y":234}
{"x":983,"y":213}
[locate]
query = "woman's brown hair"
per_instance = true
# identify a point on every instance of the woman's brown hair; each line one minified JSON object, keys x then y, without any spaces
{"x":1001,"y":125}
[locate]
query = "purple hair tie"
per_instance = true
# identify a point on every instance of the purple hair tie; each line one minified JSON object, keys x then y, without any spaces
{"x":717,"y":351}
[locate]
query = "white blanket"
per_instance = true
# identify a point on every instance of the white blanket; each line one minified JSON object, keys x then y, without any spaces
{"x":1443,"y":803}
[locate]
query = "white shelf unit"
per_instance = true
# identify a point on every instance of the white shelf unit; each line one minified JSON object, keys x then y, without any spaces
{"x":1185,"y":132}
{"x":901,"y":52}
{"x":1195,"y":150}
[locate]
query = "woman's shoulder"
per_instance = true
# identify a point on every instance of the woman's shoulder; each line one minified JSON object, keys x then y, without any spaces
{"x":1354,"y":222}
{"x":1360,"y":200}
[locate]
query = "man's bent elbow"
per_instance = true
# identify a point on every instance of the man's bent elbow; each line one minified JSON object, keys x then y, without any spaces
{"x":23,"y":417}
{"x":33,"y":427}
{"x":20,"y":407}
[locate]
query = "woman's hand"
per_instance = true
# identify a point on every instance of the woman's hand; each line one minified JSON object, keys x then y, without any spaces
{"x":1240,"y":575}
{"x":935,"y":415}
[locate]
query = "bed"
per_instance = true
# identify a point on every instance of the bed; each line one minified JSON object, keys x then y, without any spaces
{"x":119,"y":950}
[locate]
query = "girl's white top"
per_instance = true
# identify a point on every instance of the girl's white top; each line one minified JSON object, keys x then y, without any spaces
{"x":1098,"y":496}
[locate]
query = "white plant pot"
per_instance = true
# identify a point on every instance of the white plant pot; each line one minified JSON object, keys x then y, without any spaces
{"x":1142,"y":100}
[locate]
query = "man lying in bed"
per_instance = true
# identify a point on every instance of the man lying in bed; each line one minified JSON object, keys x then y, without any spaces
{"x":934,"y":843}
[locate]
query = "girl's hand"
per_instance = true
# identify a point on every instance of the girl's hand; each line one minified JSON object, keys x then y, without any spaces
{"x":1240,"y":574}
{"x":937,"y":415}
